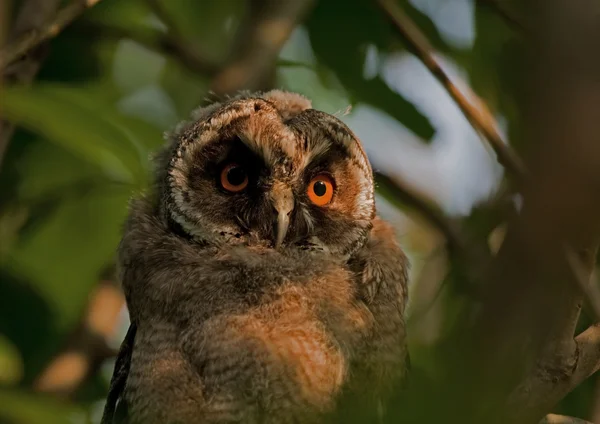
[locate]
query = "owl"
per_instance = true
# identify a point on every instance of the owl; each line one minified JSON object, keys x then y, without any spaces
{"x":261,"y":284}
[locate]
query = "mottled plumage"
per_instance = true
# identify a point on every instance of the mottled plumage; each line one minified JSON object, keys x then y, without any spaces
{"x":253,"y":300}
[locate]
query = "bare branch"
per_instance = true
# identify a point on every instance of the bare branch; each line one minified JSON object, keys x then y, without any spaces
{"x":36,"y":36}
{"x":475,"y":110}
{"x":258,"y":42}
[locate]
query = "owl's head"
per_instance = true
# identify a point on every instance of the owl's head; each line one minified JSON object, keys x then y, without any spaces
{"x":268,"y":169}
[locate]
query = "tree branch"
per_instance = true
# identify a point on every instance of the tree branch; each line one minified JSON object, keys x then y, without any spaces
{"x":588,"y":359}
{"x":531,"y":266}
{"x":38,"y":35}
{"x":33,"y":14}
{"x":261,"y":36}
{"x":398,"y":189}
{"x":589,"y":290}
{"x":475,"y":111}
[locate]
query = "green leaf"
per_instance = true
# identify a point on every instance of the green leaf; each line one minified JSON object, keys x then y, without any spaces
{"x":25,"y":408}
{"x":64,"y":254}
{"x":496,"y":68}
{"x":73,"y":217}
{"x":426,"y":25}
{"x":11,"y":364}
{"x":70,"y":118}
{"x":340,"y":37}
{"x":208,"y":25}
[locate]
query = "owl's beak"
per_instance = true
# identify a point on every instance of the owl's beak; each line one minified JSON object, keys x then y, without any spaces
{"x":283,"y":203}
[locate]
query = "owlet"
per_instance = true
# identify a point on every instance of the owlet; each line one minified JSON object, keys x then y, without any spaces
{"x":262,"y":287}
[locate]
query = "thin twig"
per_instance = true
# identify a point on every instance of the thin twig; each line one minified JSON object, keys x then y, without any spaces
{"x":475,"y":110}
{"x":469,"y":257}
{"x":28,"y":41}
{"x":433,"y":215}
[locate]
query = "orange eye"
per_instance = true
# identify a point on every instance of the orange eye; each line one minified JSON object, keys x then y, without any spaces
{"x":320,"y":190}
{"x":234,"y":178}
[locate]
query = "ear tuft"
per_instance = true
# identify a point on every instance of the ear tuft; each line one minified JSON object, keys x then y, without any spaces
{"x":288,"y":104}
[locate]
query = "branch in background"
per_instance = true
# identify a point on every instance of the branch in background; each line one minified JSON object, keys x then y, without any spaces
{"x":33,"y":14}
{"x":587,"y":362}
{"x":88,"y":347}
{"x":482,"y":120}
{"x":175,"y":43}
{"x":39,"y":34}
{"x":476,"y":111}
{"x":560,"y":357}
{"x":256,"y":46}
{"x":398,"y":189}
{"x":260,"y":37}
{"x":500,"y":10}
{"x":562,"y":419}
{"x":154,"y":40}
{"x":470,"y":258}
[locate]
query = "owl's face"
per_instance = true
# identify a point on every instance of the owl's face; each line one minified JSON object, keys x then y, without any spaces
{"x":270,"y":170}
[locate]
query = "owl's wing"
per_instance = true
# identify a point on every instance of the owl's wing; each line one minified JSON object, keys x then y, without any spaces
{"x":381,"y":268}
{"x":115,"y":410}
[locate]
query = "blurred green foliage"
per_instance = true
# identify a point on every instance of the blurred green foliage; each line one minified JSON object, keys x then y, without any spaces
{"x":98,"y":109}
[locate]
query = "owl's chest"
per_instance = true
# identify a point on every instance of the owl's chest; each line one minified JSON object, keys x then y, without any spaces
{"x":297,"y":344}
{"x":245,"y":282}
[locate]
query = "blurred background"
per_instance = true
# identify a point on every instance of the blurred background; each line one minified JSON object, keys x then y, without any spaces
{"x":83,"y":110}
